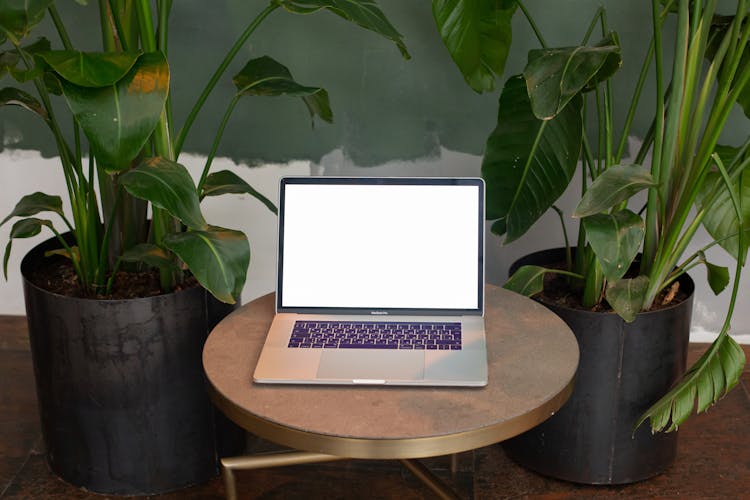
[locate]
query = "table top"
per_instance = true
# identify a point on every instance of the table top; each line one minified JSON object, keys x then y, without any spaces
{"x":532,"y":360}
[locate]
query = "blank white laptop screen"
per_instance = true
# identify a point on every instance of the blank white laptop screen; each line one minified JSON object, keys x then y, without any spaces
{"x":389,"y":246}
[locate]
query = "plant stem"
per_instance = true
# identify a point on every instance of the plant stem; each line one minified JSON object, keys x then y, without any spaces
{"x":634,"y":103}
{"x":217,"y":140}
{"x":180,"y":139}
{"x":568,"y":254}
{"x":652,"y":216}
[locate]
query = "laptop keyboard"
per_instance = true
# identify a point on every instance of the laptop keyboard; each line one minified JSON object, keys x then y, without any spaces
{"x":376,"y":335}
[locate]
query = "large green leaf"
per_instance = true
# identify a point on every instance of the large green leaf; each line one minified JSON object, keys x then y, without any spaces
{"x":615,"y":239}
{"x":721,"y":218}
{"x":528,"y":162}
{"x":151,"y":255}
{"x":32,"y":204}
{"x":90,"y":69}
{"x":555,"y":76}
{"x":226,"y":182}
{"x":527,"y":280}
{"x":267,"y":77}
{"x":626,"y":296}
{"x":17,"y":17}
{"x":478,"y":37}
{"x":364,"y":13}
{"x":218,"y":258}
{"x":118,"y":119}
{"x":24,"y":228}
{"x":710,"y":378}
{"x":11,"y":96}
{"x":615,"y":185}
{"x":168,"y":185}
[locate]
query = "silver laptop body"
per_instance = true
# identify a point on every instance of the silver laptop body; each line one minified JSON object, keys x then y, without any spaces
{"x":407,"y":252}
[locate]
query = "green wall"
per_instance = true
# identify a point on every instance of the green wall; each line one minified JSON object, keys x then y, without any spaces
{"x":385,"y":108}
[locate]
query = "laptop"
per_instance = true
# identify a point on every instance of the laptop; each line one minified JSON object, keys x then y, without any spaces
{"x":380,"y":282}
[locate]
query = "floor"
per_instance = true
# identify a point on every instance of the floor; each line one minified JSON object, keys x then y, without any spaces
{"x":713,"y":458}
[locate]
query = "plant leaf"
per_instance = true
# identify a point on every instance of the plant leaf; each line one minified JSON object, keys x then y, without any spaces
{"x":721,"y":27}
{"x":118,"y":119}
{"x":17,"y":17}
{"x":616,"y":184}
{"x":167,"y":185}
{"x":32,"y":204}
{"x":218,"y":258}
{"x":710,"y":378}
{"x":24,"y":228}
{"x":555,"y":76}
{"x":615,"y":239}
{"x":626,"y":296}
{"x":9,"y":61}
{"x":151,"y":255}
{"x":90,"y":69}
{"x":718,"y":277}
{"x":364,"y":13}
{"x":527,"y":280}
{"x":267,"y":77}
{"x":525,"y":177}
{"x":478,"y":37}
{"x":17,"y":97}
{"x":226,"y":181}
{"x":721,"y":218}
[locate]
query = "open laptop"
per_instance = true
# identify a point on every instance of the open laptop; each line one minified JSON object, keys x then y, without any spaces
{"x":380,"y":281}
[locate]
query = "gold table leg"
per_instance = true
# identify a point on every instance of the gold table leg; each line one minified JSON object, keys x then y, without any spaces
{"x":263,"y":461}
{"x":430,"y":480}
{"x":282,"y":459}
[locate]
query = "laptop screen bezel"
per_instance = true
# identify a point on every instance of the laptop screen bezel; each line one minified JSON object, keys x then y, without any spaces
{"x":394,"y":181}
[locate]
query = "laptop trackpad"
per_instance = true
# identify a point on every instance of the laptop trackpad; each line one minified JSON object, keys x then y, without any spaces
{"x":364,"y":364}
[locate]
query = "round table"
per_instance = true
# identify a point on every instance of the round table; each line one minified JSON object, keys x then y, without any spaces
{"x":532,"y":358}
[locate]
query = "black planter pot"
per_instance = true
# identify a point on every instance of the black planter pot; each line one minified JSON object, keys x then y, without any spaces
{"x":623,"y":369}
{"x":122,"y":397}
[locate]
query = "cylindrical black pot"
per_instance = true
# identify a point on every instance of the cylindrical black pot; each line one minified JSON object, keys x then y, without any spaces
{"x":122,"y":396}
{"x":623,"y":369}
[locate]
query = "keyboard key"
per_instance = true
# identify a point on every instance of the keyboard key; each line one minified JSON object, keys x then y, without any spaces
{"x":375,"y":335}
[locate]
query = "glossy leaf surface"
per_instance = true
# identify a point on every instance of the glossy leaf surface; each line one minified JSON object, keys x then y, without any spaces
{"x":626,"y":296}
{"x":478,"y":37}
{"x":266,"y":77}
{"x":227,"y":182}
{"x":34,"y":203}
{"x":527,"y":280}
{"x":118,"y":119}
{"x":364,"y":13}
{"x":90,"y":69}
{"x":24,"y":228}
{"x":616,"y":184}
{"x":721,"y":218}
{"x":11,"y":96}
{"x":555,"y":76}
{"x":17,"y":17}
{"x":524,"y":177}
{"x":151,"y":255}
{"x":615,"y":239}
{"x":710,"y":378}
{"x":218,"y":258}
{"x":717,"y":276}
{"x":167,"y":185}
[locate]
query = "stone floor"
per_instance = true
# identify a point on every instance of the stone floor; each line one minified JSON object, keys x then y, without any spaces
{"x":713,"y":458}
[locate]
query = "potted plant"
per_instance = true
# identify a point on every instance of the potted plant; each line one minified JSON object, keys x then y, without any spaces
{"x":117,"y":365}
{"x":629,"y":265}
